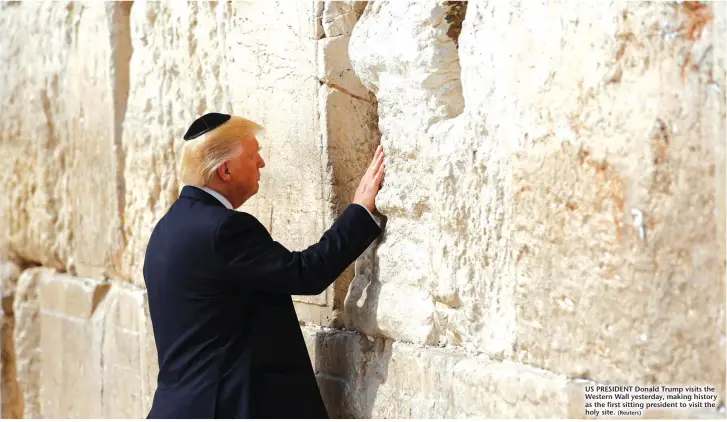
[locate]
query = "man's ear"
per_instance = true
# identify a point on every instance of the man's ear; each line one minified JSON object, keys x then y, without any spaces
{"x":223,"y":172}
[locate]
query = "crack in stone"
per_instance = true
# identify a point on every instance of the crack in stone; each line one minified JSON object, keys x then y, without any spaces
{"x":120,"y":42}
{"x":101,"y":365}
{"x":11,"y":405}
{"x":454,"y":17}
{"x":344,"y":90}
{"x":99,"y":294}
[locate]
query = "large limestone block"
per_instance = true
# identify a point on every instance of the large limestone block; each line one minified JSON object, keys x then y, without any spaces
{"x":416,"y":82}
{"x":613,"y":214}
{"x":453,"y":385}
{"x":98,"y":79}
{"x":364,"y":377}
{"x":129,"y":355}
{"x":30,"y":142}
{"x":60,"y":132}
{"x":11,"y":405}
{"x":567,"y":216}
{"x":97,"y":347}
{"x":71,"y":338}
{"x":26,"y":337}
{"x":339,"y":17}
{"x":376,"y":378}
{"x":334,"y":66}
{"x":351,"y":134}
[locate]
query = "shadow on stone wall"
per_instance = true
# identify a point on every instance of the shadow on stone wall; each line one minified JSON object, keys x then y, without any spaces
{"x":362,"y":298}
{"x":350,"y":369}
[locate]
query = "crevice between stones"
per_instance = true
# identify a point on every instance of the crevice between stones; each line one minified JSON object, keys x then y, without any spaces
{"x":16,"y":366}
{"x":344,"y":91}
{"x":318,"y":21}
{"x":119,"y":23}
{"x":454,"y":17}
{"x":99,"y":312}
{"x":11,"y":399}
{"x":101,"y":354}
{"x":99,"y":294}
{"x":12,"y":407}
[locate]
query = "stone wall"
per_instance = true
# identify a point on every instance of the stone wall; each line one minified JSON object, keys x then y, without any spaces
{"x":554,"y":202}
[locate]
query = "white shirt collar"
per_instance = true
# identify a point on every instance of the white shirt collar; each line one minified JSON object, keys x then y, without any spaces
{"x":217,"y":195}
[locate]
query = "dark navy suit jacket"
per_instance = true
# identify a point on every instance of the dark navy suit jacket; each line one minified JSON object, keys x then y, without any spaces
{"x":228,"y":339}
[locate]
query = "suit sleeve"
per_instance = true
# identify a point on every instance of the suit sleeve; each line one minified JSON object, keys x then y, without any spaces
{"x":253,"y":260}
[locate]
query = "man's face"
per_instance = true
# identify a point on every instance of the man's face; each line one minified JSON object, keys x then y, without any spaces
{"x":245,"y":169}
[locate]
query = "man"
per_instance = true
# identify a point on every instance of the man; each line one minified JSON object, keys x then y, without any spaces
{"x":228,"y":339}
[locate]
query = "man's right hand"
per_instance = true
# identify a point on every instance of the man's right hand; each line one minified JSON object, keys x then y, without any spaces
{"x":371,"y":182}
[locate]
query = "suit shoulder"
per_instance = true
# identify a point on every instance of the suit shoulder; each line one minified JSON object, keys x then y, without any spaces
{"x":236,"y":223}
{"x":241,"y":217}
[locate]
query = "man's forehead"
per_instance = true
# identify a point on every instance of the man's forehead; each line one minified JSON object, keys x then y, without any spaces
{"x":252,"y":143}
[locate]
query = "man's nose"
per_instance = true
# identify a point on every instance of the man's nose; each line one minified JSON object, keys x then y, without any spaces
{"x":262,"y":163}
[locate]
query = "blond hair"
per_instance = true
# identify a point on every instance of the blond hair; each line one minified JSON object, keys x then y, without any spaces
{"x":201,"y":157}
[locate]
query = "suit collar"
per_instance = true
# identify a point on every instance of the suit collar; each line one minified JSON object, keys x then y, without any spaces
{"x":205,"y":196}
{"x":218,"y":196}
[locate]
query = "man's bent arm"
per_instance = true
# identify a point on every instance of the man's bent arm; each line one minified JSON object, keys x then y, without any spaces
{"x":254,"y":261}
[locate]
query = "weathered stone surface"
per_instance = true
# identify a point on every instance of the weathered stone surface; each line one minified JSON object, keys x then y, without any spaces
{"x":713,"y":126}
{"x":9,"y":273}
{"x":129,"y":355}
{"x":334,"y":66}
{"x":379,"y":378}
{"x":339,"y":17}
{"x":335,"y":71}
{"x":420,"y":71}
{"x":60,"y":131}
{"x":349,"y":123}
{"x":30,"y":143}
{"x":71,"y":338}
{"x":26,"y":336}
{"x":85,"y":349}
{"x":11,"y":405}
{"x":573,"y":213}
{"x":367,"y":378}
{"x":97,"y":340}
{"x":95,"y":106}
